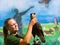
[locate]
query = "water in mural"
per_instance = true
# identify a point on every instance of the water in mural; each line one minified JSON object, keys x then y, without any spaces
{"x":47,"y":14}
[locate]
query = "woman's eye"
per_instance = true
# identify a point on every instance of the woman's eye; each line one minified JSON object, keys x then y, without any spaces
{"x":12,"y":24}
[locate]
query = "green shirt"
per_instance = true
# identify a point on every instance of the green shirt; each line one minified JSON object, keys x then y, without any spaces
{"x":13,"y":40}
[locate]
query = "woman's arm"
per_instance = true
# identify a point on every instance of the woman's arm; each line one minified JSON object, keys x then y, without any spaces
{"x":28,"y":35}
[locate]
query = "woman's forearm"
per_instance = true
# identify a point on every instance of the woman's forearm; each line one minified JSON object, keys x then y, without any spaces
{"x":28,"y":35}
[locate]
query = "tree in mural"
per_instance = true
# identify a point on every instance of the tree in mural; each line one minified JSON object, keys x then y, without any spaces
{"x":56,"y":23}
{"x":18,"y":17}
{"x":46,"y":2}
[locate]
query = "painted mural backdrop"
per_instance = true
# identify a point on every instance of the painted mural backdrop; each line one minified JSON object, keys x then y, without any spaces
{"x":47,"y":14}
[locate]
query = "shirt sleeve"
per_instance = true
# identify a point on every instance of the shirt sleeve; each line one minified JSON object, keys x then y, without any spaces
{"x":12,"y":40}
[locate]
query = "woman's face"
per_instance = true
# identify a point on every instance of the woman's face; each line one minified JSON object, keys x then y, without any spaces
{"x":13,"y":26}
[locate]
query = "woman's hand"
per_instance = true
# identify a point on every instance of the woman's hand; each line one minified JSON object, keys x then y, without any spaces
{"x":33,"y":21}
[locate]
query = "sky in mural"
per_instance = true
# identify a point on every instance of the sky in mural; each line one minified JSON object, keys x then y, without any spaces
{"x":43,"y":14}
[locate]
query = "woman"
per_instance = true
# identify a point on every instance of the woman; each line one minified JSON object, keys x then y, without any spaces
{"x":13,"y":38}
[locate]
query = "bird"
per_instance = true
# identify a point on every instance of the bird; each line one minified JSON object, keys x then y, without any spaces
{"x":46,"y":2}
{"x":37,"y":30}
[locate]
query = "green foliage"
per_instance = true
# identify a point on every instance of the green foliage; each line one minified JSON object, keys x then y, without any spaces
{"x":50,"y":40}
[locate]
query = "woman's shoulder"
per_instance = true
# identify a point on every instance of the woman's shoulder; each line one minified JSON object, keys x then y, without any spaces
{"x":11,"y":39}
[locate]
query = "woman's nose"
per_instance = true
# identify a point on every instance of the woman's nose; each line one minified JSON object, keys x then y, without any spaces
{"x":16,"y":25}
